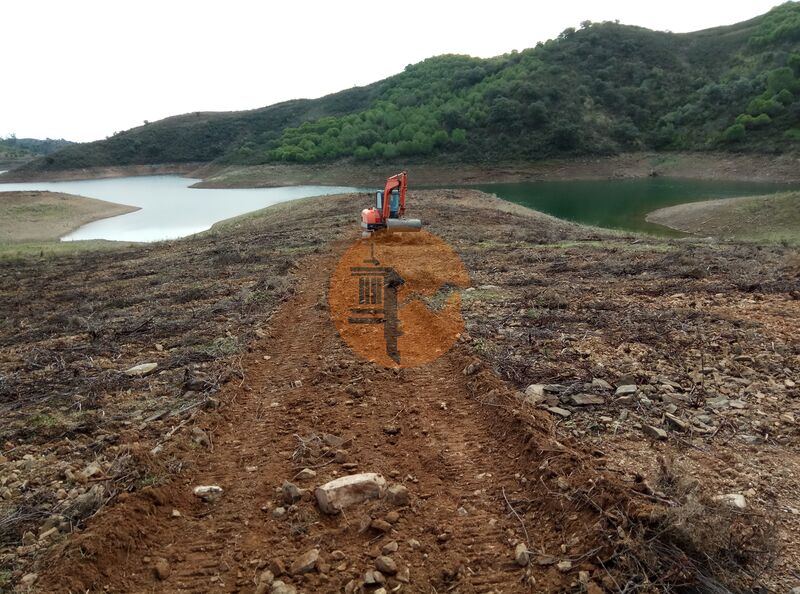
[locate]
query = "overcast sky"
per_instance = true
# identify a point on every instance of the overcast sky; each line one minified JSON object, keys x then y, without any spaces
{"x":82,"y":69}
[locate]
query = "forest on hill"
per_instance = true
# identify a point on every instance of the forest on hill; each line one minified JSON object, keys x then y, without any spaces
{"x":601,"y":89}
{"x":24,"y":148}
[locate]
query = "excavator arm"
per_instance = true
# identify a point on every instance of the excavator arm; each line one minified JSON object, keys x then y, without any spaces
{"x":396,"y":182}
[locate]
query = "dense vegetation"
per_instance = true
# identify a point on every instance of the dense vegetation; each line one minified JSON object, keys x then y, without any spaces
{"x":601,"y":89}
{"x":12,"y":148}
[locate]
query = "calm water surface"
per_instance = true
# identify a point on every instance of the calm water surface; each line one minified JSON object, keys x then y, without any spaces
{"x":622,"y":204}
{"x":169,"y":207}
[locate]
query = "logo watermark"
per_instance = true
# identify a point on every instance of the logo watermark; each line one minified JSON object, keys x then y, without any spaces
{"x":395,"y":298}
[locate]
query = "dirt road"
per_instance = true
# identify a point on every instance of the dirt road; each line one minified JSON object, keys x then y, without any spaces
{"x":419,"y":427}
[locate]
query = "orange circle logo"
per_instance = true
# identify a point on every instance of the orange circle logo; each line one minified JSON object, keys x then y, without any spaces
{"x":395,"y":297}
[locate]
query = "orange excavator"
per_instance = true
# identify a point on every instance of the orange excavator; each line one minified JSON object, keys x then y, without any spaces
{"x":390,"y":208}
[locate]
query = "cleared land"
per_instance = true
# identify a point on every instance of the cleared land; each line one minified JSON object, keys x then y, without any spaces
{"x":254,"y":384}
{"x":46,"y":216}
{"x":753,"y":218}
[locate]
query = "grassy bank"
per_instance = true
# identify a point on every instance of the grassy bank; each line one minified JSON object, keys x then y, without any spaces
{"x":32,"y":222}
{"x":773,"y":218}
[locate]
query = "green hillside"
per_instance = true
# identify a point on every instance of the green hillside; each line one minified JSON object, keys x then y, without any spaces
{"x":26,"y":148}
{"x":598,"y":90}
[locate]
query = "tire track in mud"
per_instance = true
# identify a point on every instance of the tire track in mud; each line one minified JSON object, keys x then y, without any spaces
{"x":420,"y":427}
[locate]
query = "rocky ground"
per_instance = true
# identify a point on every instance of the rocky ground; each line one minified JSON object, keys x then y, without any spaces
{"x":619,"y":416}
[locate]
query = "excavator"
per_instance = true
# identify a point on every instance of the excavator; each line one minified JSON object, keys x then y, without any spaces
{"x":390,"y":208}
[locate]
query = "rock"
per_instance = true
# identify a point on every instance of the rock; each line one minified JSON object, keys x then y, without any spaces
{"x":48,"y":533}
{"x":625,"y":390}
{"x":141,"y":370}
{"x":280,"y":587}
{"x":787,"y":418}
{"x":545,"y":560}
{"x":176,"y":513}
{"x":334,"y":496}
{"x":291,"y":493}
{"x":208,"y":493}
{"x":264,"y":582}
{"x":91,"y":470}
{"x":392,"y":429}
{"x":789,"y":383}
{"x":403,"y":575}
{"x":654,"y":432}
{"x":718,"y":402}
{"x":276,"y":566}
{"x":601,"y":383}
{"x":306,"y":474}
{"x":305,"y":563}
{"x":585,"y":399}
{"x":736,"y":500}
{"x":279,"y":512}
{"x":677,"y":422}
{"x":162,"y":569}
{"x":535,"y":390}
{"x":28,"y":539}
{"x":521,"y":555}
{"x":397,"y":495}
{"x":392,"y":517}
{"x":386,"y":565}
{"x":740,"y":404}
{"x":561,"y":412}
{"x":28,"y":579}
{"x":564,"y":566}
{"x":201,"y":438}
{"x":473,"y":367}
{"x":390,"y":547}
{"x":372,"y":576}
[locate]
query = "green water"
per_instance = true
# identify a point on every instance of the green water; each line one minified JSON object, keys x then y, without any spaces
{"x":622,"y":204}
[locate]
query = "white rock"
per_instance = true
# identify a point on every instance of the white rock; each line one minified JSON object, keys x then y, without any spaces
{"x":141,"y":369}
{"x":626,"y":389}
{"x":736,"y":500}
{"x":208,"y":493}
{"x":521,"y":555}
{"x":344,"y":491}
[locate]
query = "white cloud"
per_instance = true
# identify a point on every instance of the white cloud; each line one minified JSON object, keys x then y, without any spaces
{"x":84,"y":69}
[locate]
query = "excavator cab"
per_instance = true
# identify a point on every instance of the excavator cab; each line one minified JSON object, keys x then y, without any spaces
{"x":394,"y":203}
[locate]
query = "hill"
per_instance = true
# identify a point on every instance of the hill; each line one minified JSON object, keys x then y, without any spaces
{"x":603,"y":89}
{"x":21,"y":148}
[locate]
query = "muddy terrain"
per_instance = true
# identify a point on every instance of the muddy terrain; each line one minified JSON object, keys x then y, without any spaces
{"x":618,"y":415}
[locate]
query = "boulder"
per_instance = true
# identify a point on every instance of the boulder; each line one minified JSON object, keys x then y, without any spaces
{"x":334,"y":496}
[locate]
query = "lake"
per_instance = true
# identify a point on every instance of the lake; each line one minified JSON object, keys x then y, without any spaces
{"x":169,"y":207}
{"x":622,"y":204}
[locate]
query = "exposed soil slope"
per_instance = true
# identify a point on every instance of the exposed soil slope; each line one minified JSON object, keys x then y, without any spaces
{"x":46,"y":216}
